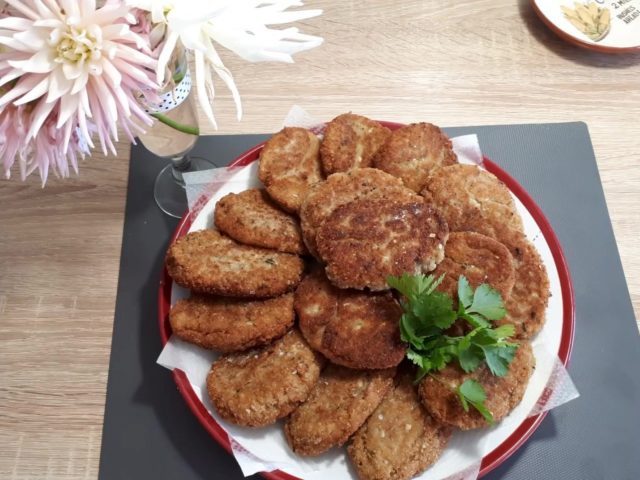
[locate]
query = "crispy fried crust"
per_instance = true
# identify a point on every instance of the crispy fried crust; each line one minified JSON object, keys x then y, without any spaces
{"x":503,"y":393}
{"x":341,"y":188}
{"x":257,"y":387}
{"x":339,"y":404}
{"x":365,"y":241}
{"x":250,"y":217}
{"x":208,"y":262}
{"x":400,"y":440}
{"x":289,"y":165}
{"x":351,"y":141}
{"x":350,"y":328}
{"x":229,"y":324}
{"x":480,"y":259}
{"x":414,"y":151}
{"x":527,"y":305}
{"x":472,"y":199}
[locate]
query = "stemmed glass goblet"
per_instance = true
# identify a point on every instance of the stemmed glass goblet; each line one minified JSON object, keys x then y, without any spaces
{"x":173,"y":136}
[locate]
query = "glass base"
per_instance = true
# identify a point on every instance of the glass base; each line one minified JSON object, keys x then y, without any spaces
{"x":169,"y":192}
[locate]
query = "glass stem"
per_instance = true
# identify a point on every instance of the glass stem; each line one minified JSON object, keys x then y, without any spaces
{"x":179,"y":165}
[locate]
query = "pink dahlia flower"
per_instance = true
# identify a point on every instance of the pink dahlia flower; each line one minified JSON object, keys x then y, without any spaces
{"x":67,"y":70}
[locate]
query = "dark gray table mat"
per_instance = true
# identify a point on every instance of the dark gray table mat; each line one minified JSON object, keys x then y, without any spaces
{"x":149,"y":433}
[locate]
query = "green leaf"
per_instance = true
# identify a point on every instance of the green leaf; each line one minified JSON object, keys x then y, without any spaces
{"x":463,"y":400}
{"x":405,"y":284}
{"x":472,"y":391}
{"x":408,"y":324}
{"x":498,"y":358}
{"x":441,"y":356}
{"x":435,"y":309}
{"x":487,"y":302}
{"x":414,"y":286}
{"x":465,"y":292}
{"x":469,"y":357}
{"x":503,"y":331}
{"x":484,"y":411}
{"x":434,"y":283}
{"x":476,"y":320}
{"x":419,"y":359}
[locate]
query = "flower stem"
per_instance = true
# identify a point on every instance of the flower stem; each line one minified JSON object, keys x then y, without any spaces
{"x":178,"y":126}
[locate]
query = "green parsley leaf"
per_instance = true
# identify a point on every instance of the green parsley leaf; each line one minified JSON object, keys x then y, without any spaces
{"x":475,"y":319}
{"x":408,"y":326}
{"x":487,"y":302}
{"x":427,"y":316}
{"x":471,"y":392}
{"x":469,"y":357}
{"x":435,"y":308}
{"x":418,"y":359}
{"x":498,"y":358}
{"x":414,"y":286}
{"x":503,"y":331}
{"x":465,"y":292}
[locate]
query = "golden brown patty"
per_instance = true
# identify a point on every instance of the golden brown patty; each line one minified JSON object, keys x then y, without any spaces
{"x":229,"y":324}
{"x":289,"y":165}
{"x":503,"y":393}
{"x":414,"y":151}
{"x":208,"y":262}
{"x":351,"y":141}
{"x":350,"y":328}
{"x":527,"y":305}
{"x":341,"y":188}
{"x":340,"y":402}
{"x":365,"y":241}
{"x":472,"y":199}
{"x":250,"y":217}
{"x":257,"y":387}
{"x":480,"y":259}
{"x":400,"y":440}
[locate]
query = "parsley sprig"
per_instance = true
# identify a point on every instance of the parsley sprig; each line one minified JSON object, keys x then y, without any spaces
{"x":427,"y":316}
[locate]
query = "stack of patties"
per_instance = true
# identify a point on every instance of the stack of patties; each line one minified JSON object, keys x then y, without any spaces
{"x":362,"y":204}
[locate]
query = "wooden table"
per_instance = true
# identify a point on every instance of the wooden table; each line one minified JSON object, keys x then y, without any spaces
{"x":451,"y":63}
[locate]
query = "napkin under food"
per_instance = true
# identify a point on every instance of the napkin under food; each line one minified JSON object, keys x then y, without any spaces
{"x":265,"y":449}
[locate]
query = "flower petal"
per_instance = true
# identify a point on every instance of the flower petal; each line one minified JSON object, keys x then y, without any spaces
{"x":41,"y":62}
{"x":165,"y":55}
{"x":200,"y":86}
{"x":36,"y":92}
{"x":59,"y":85}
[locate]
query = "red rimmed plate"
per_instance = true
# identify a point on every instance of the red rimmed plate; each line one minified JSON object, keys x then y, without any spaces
{"x":621,"y":36}
{"x":560,"y":323}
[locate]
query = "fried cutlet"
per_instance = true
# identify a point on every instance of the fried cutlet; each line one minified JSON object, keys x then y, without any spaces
{"x":229,"y":324}
{"x":472,"y":199}
{"x":364,"y":241}
{"x":351,"y":328}
{"x":338,"y":405}
{"x":250,"y":217}
{"x":503,"y":393}
{"x":413,"y":152}
{"x":208,"y":262}
{"x":400,"y":440}
{"x":289,"y":165}
{"x":257,"y":387}
{"x":480,"y":259}
{"x":351,"y":141}
{"x":527,"y":304}
{"x":341,"y":188}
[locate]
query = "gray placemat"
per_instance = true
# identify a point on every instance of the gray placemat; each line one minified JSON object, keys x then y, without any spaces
{"x":149,"y":433}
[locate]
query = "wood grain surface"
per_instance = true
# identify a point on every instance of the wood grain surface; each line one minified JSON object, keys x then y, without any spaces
{"x":453,"y":63}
